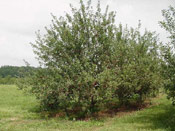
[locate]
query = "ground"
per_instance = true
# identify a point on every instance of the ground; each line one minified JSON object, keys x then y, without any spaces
{"x":19,"y":112}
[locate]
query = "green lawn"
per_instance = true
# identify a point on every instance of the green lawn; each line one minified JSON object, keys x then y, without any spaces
{"x":19,"y":112}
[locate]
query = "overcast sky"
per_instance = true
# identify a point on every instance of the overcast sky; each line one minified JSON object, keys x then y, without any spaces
{"x":20,"y":19}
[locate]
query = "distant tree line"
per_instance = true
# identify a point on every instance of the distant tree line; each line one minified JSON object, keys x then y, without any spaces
{"x":9,"y":74}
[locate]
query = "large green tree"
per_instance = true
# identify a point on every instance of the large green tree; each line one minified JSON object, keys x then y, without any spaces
{"x":74,"y":55}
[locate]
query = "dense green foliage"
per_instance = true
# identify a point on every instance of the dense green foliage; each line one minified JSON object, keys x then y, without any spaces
{"x":138,"y":65}
{"x":88,"y":63}
{"x":168,"y":52}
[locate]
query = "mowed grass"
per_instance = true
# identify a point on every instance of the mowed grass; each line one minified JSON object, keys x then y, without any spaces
{"x":20,"y":112}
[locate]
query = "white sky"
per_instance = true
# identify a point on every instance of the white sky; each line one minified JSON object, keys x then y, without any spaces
{"x":20,"y":19}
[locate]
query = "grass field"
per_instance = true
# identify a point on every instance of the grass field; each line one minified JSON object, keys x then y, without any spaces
{"x":19,"y":112}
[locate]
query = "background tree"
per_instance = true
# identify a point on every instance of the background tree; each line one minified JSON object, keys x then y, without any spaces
{"x":137,"y":59}
{"x":168,"y":52}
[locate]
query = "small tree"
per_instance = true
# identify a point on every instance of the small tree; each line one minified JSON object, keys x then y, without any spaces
{"x":136,"y":57}
{"x":168,"y":52}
